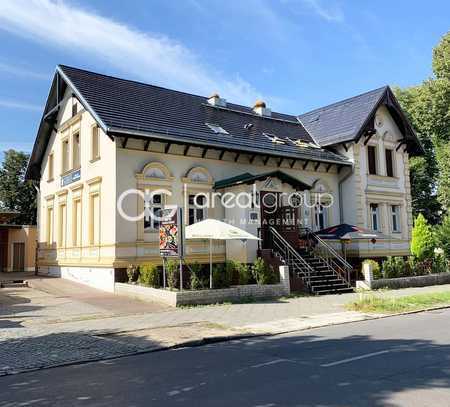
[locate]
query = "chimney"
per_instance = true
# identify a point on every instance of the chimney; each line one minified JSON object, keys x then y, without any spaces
{"x":216,"y":100}
{"x":261,"y":109}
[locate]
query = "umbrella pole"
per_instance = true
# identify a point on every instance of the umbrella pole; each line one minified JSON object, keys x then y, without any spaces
{"x":210,"y":264}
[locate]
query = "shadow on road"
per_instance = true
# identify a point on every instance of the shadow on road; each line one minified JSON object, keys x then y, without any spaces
{"x":306,"y":370}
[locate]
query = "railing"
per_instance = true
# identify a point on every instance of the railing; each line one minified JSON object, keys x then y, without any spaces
{"x":329,"y":255}
{"x":290,"y":256}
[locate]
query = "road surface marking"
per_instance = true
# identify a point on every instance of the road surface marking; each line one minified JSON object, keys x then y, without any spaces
{"x":273,"y":362}
{"x":367,"y":355}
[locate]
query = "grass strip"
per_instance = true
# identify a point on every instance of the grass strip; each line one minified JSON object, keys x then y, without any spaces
{"x":388,"y":305}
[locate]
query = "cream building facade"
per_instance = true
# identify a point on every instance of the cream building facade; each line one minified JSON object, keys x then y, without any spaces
{"x":105,"y":142}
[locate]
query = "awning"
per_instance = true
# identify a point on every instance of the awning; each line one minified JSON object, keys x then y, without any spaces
{"x":247,"y":178}
{"x":345,"y":231}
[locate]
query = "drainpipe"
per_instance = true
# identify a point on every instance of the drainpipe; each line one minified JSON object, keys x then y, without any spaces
{"x":38,"y":213}
{"x":341,"y":207}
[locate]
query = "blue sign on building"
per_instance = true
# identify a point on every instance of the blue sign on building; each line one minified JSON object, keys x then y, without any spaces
{"x":70,"y":178}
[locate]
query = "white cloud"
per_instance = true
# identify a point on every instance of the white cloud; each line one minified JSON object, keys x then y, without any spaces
{"x":150,"y":57}
{"x":20,"y":71}
{"x":17,"y":104}
{"x":332,"y":14}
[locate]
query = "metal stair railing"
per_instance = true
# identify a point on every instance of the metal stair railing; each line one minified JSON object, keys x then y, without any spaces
{"x":330,"y":256}
{"x":290,"y":256}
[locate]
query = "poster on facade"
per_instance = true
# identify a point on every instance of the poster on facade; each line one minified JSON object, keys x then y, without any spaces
{"x":171,"y":232}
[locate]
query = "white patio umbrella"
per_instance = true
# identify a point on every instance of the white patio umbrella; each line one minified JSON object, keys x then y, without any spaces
{"x":212,"y":229}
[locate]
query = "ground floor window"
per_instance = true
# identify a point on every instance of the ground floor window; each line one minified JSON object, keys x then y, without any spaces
{"x":196,"y":209}
{"x":375,"y":216}
{"x":395,"y":214}
{"x":152,"y":213}
{"x":320,"y":217}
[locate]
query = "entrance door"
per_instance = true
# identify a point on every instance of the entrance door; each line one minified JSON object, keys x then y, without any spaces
{"x":18,"y":256}
{"x":282,"y":218}
{"x":3,"y":250}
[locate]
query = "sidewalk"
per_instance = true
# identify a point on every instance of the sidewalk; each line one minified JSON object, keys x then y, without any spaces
{"x":26,"y":341}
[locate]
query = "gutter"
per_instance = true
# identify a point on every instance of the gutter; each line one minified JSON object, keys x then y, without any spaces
{"x":183,"y":140}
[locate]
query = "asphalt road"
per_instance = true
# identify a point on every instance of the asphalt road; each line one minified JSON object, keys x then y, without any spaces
{"x":399,"y":361}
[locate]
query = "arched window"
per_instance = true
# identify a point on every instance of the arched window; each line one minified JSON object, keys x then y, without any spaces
{"x":198,"y":175}
{"x":198,"y":182}
{"x":155,"y":170}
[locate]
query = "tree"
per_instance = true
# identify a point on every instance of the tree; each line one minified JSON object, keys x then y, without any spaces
{"x":422,"y":242}
{"x":428,"y":108}
{"x":424,"y":169}
{"x":443,"y":236}
{"x":16,"y":194}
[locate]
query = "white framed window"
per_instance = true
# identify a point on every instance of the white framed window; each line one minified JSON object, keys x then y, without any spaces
{"x":62,"y":226}
{"x":320,"y":217}
{"x":76,"y":222}
{"x":375,"y":216}
{"x":65,"y":155}
{"x":95,"y":146}
{"x":395,"y":218}
{"x":49,"y":230}
{"x":372,"y":160}
{"x":94,"y":217}
{"x":51,"y":167}
{"x":196,"y":209}
{"x":76,"y":151}
{"x":155,"y":203}
{"x":389,"y":156}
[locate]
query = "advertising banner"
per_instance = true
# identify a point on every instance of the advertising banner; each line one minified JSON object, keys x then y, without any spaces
{"x":171,"y":232}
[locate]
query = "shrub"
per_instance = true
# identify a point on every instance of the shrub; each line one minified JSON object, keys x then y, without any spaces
{"x":376,"y":269}
{"x":262,"y":273}
{"x":221,"y":276}
{"x":149,"y":275}
{"x":244,"y":272}
{"x":395,"y":267}
{"x":443,"y":236}
{"x":440,"y":264}
{"x":422,"y":267}
{"x":132,"y":273}
{"x":422,"y":243}
{"x":172,"y":273}
{"x":197,"y":282}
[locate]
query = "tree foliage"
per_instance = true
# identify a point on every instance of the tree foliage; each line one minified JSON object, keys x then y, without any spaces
{"x":428,"y":108}
{"x":422,"y":242}
{"x":443,"y":236}
{"x":16,"y":194}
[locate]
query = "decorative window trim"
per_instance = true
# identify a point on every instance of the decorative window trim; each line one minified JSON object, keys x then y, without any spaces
{"x":187,"y":179}
{"x":142,"y":179}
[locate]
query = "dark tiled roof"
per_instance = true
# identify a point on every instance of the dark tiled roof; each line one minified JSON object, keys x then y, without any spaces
{"x":247,"y":178}
{"x":129,"y":106}
{"x":341,"y":121}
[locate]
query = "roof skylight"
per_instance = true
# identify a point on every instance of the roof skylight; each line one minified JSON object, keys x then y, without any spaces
{"x":273,"y":138}
{"x":216,"y":128}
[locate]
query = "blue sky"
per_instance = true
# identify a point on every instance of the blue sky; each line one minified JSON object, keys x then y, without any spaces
{"x":295,"y":54}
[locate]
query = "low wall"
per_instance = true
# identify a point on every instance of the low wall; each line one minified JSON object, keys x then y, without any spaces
{"x":414,"y":281}
{"x":190,"y":297}
{"x":100,"y":278}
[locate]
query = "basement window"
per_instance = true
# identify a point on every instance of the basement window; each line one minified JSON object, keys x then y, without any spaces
{"x":216,"y":128}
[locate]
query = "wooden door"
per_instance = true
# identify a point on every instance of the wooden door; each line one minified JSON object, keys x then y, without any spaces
{"x":3,"y":250}
{"x":18,"y":256}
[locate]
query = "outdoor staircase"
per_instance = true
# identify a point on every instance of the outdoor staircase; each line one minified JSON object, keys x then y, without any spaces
{"x":321,"y":268}
{"x":324,"y":279}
